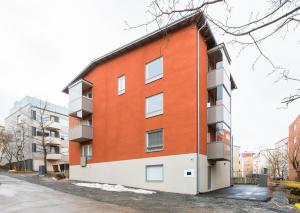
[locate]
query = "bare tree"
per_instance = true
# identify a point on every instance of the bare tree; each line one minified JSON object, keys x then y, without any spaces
{"x":44,"y":121}
{"x":280,"y":16}
{"x":21,"y":137}
{"x":295,"y":158}
{"x":277,"y":162}
{"x":6,"y":148}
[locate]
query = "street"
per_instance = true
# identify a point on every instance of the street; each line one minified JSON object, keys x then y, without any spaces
{"x":20,"y":196}
{"x":31,"y":193}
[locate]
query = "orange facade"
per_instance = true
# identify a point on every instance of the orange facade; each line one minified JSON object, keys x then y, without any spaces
{"x":119,"y":121}
{"x":294,"y":141}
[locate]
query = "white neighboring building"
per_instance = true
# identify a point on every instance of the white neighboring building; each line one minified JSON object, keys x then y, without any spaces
{"x":27,"y":112}
{"x":281,"y":147}
{"x":260,"y":162}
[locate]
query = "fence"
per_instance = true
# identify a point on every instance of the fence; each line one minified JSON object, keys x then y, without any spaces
{"x":250,"y":178}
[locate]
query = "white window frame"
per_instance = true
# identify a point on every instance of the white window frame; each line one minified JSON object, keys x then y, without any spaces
{"x":154,"y":78}
{"x":162,"y":174}
{"x":157,"y":112}
{"x":89,"y":151}
{"x":154,"y":148}
{"x":121,"y":79}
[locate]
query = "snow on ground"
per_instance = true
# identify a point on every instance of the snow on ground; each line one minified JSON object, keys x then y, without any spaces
{"x":114,"y":188}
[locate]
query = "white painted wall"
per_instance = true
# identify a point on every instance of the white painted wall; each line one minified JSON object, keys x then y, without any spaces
{"x":132,"y":173}
{"x":220,"y":174}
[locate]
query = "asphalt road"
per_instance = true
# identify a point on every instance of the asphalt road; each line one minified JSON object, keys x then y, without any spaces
{"x":20,"y":196}
{"x":31,"y":193}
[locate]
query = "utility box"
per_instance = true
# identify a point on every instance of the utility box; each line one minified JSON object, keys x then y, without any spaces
{"x":42,"y":170}
{"x":263,"y":180}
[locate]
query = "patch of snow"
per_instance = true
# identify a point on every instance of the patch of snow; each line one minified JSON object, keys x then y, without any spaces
{"x":114,"y":188}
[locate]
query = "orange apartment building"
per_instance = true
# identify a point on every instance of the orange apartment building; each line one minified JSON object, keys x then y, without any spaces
{"x":293,"y":144}
{"x":247,"y":163}
{"x":155,"y":113}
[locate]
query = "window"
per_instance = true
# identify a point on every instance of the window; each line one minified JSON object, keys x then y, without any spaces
{"x":154,"y":173}
{"x":33,"y":147}
{"x":54,"y":118}
{"x":86,"y":151}
{"x":121,"y":85}
{"x":33,"y":130}
{"x":54,"y":134}
{"x":218,"y":96}
{"x":19,"y":119}
{"x":33,"y":115}
{"x":154,"y":140}
{"x":154,"y":70}
{"x":87,"y":121}
{"x":88,"y":93}
{"x":154,"y":105}
{"x":54,"y":150}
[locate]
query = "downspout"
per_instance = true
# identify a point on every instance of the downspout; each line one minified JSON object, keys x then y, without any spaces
{"x":198,"y":106}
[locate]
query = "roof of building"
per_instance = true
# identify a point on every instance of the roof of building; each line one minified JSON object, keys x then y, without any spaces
{"x":197,"y":18}
{"x":35,"y":102}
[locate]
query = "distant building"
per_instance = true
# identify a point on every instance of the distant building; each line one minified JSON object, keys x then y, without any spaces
{"x":260,"y":162}
{"x":237,"y":162}
{"x":27,"y":112}
{"x":293,"y":144}
{"x":281,"y":148}
{"x":247,"y":163}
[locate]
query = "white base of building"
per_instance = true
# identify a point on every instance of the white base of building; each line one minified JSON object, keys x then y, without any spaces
{"x":179,"y":173}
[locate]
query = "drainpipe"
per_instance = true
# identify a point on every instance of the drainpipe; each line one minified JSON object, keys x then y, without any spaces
{"x":198,"y":107}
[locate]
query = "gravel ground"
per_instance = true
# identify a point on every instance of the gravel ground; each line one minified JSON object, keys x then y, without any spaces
{"x":162,"y":201}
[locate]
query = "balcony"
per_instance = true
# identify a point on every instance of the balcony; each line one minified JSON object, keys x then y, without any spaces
{"x":218,"y":77}
{"x":53,"y":141}
{"x":81,"y":107}
{"x":81,"y":133}
{"x":53,"y":126}
{"x":218,"y":151}
{"x":218,"y":113}
{"x":53,"y":156}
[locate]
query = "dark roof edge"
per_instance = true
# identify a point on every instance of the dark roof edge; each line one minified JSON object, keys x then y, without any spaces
{"x":197,"y":18}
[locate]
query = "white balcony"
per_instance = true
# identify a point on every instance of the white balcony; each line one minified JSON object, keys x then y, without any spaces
{"x":81,"y":133}
{"x":52,"y":125}
{"x":218,"y":151}
{"x":81,"y":107}
{"x":53,"y":156}
{"x":218,"y":77}
{"x":53,"y":141}
{"x":218,"y":113}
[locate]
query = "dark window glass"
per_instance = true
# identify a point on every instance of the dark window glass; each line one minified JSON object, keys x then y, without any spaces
{"x":33,"y":129}
{"x":33,"y":147}
{"x":33,"y":115}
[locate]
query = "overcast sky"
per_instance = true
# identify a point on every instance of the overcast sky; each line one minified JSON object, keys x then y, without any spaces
{"x":44,"y":44}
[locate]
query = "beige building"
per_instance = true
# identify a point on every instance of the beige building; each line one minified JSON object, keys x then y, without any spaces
{"x":26,"y":114}
{"x":237,"y":161}
{"x":247,"y":163}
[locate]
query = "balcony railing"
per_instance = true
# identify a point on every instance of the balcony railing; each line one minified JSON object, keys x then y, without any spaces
{"x":81,"y":107}
{"x":81,"y":133}
{"x":53,"y":156}
{"x":218,"y":151}
{"x":218,"y":77}
{"x":53,"y":141}
{"x":218,"y":113}
{"x":51,"y":125}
